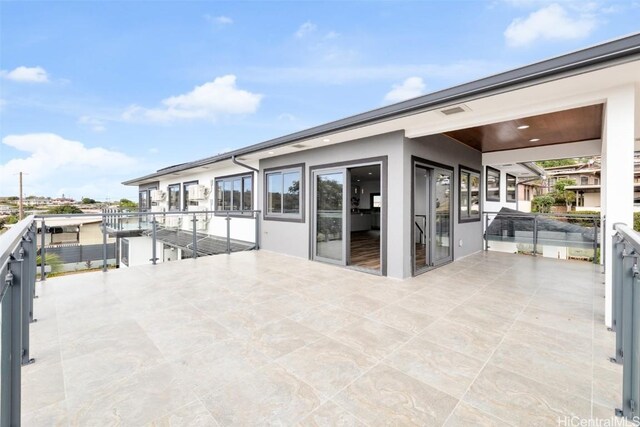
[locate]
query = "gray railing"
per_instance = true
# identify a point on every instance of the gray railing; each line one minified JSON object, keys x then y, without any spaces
{"x":568,"y":230}
{"x":626,"y":316}
{"x":195,"y":233}
{"x":18,"y":253}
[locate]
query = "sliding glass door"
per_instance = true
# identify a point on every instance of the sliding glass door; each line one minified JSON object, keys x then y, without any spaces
{"x":432,"y":216}
{"x":329,"y":242}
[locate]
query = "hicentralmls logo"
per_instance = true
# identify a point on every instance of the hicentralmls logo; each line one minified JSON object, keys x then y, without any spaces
{"x":576,"y":421}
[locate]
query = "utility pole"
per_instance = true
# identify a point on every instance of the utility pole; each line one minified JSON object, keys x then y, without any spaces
{"x":21,"y":201}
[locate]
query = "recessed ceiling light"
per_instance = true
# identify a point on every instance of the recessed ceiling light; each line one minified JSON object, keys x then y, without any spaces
{"x":523,"y":127}
{"x":370,"y":173}
{"x":326,"y":140}
{"x":270,"y":152}
{"x":534,"y":140}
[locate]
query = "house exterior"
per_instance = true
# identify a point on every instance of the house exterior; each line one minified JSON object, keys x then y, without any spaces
{"x":402,"y":189}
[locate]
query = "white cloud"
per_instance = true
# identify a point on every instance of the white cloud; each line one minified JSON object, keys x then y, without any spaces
{"x":53,"y":162}
{"x":26,"y":75}
{"x":306,"y":29}
{"x":206,"y":102}
{"x":410,"y":88}
{"x":549,"y":23}
{"x":92,"y":123}
{"x":219,"y":20}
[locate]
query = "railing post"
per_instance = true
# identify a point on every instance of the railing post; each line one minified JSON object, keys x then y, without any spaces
{"x":32,"y":237}
{"x":228,"y":233}
{"x":12,"y":376}
{"x":104,"y":243}
{"x":595,"y":241}
{"x":43,"y":234}
{"x":256,"y":216}
{"x":630,"y":339}
{"x":619,"y":254}
{"x":486,"y":232}
{"x":154,"y":256}
{"x":21,"y":276}
{"x":535,"y":235}
{"x":195,"y":237}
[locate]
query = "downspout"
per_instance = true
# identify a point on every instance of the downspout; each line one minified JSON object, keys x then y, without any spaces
{"x":233,"y":159}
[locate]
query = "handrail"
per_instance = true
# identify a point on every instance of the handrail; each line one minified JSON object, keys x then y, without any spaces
{"x":10,"y":241}
{"x":552,"y":215}
{"x":146,"y":213}
{"x":626,"y":315}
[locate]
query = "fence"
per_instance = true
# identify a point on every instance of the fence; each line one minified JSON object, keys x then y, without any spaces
{"x":534,"y":231}
{"x":626,"y":316}
{"x":18,"y":274}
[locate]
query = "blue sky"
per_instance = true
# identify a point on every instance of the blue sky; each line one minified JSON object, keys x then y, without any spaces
{"x":93,"y":93}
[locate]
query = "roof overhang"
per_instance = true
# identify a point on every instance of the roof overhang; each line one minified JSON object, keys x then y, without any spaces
{"x":574,"y":80}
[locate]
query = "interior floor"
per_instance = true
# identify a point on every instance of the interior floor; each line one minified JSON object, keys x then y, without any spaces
{"x":365,"y":249}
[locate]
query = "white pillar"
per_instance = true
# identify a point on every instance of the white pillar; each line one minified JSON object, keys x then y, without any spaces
{"x":617,"y":173}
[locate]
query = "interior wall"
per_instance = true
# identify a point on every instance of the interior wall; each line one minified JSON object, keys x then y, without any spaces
{"x":467,"y":237}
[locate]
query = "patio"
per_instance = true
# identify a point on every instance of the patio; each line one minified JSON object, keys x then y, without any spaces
{"x":260,"y":338}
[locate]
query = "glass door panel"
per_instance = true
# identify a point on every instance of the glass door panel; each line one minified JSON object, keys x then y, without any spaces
{"x":330,"y":216}
{"x":421,"y":223}
{"x":443,"y":209}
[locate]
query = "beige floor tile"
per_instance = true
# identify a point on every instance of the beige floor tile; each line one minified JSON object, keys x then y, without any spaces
{"x":325,"y":318}
{"x":327,"y":365}
{"x":464,"y":339}
{"x":189,"y":337}
{"x":559,"y":321}
{"x":271,"y":396}
{"x":431,"y":305}
{"x":284,"y":336}
{"x":409,"y":321}
{"x":607,"y":387}
{"x":330,"y":415}
{"x":440,"y":367}
{"x":192,"y":415}
{"x":370,"y":337}
{"x":245,"y":320}
{"x":41,"y":386}
{"x":522,"y":401}
{"x":466,"y":415}
{"x":387,"y":396}
{"x":360,"y":304}
{"x":47,"y":416}
{"x":476,"y":316}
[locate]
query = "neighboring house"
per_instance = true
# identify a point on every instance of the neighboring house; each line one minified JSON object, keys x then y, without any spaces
{"x":435,"y":164}
{"x":586,"y":175}
{"x":527,"y":190}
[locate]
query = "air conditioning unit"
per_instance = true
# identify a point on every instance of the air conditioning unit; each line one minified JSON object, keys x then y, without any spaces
{"x":172,"y":221}
{"x":158,"y":195}
{"x":198,"y":192}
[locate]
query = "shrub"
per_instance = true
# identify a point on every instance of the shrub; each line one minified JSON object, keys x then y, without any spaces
{"x":51,"y":259}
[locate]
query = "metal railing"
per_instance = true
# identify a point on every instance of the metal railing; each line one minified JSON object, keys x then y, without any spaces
{"x":626,"y":316}
{"x":194,"y":233}
{"x":18,"y":253}
{"x":537,"y":230}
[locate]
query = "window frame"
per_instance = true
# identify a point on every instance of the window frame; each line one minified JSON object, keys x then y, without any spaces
{"x":178,"y":208}
{"x":486,"y":183}
{"x":513,"y":199}
{"x":464,"y":170}
{"x":231,"y":178}
{"x":185,"y":194}
{"x":288,"y":217}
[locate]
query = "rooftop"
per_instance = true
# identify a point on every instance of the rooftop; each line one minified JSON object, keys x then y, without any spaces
{"x":257,"y":337}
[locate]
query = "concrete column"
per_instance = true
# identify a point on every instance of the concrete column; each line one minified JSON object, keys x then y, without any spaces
{"x":617,"y":173}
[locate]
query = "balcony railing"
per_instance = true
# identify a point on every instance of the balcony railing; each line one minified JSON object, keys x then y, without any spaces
{"x":194,"y":233}
{"x":532,"y":231}
{"x":626,"y":316}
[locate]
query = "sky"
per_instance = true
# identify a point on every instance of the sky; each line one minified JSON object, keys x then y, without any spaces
{"x":96,"y":92}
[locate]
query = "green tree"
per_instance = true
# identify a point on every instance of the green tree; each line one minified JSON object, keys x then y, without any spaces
{"x":543,"y":203}
{"x":64,"y":209}
{"x":562,"y":195}
{"x":52,"y":260}
{"x":88,"y":201}
{"x":128,"y":204}
{"x":557,"y":162}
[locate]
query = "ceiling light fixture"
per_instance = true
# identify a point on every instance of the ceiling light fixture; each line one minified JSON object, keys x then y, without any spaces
{"x":370,"y":173}
{"x":523,"y":127}
{"x":270,"y":152}
{"x":326,"y":140}
{"x":534,"y":140}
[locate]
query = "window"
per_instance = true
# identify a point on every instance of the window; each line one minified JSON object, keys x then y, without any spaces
{"x":584,"y":180}
{"x":580,"y":199}
{"x":143,"y":201}
{"x":234,"y":193}
{"x":493,"y":184}
{"x":469,"y":195}
{"x":284,"y":193}
{"x":596,"y":181}
{"x":174,"y":197}
{"x":527,"y":193}
{"x":186,"y":201}
{"x":511,"y":188}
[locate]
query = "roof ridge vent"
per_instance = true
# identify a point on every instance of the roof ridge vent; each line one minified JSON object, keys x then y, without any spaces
{"x":449,"y":111}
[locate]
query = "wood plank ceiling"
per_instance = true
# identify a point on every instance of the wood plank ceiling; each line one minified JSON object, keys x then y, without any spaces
{"x":577,"y":124}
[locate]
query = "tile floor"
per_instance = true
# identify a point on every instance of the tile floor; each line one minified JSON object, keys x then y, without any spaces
{"x":259,"y":338}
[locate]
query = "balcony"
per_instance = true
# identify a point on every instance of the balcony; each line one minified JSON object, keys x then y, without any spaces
{"x":256,"y":337}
